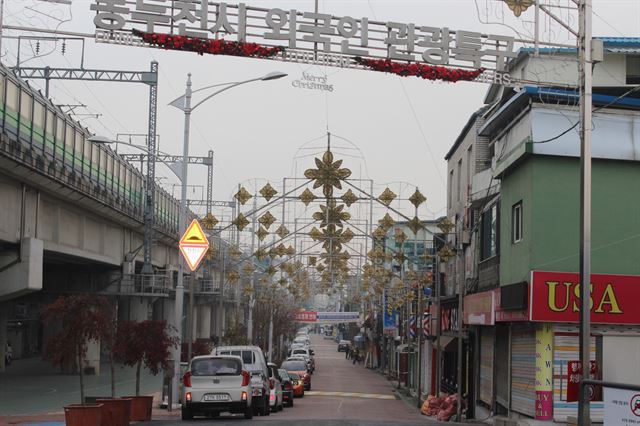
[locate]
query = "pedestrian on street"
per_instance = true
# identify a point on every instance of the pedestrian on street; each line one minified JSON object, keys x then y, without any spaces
{"x":346,"y":352}
{"x":355,"y":356}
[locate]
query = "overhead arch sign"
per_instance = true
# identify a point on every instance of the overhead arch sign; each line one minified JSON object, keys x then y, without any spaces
{"x":434,"y":53}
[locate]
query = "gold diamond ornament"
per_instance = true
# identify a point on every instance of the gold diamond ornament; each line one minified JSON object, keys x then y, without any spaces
{"x":415,"y":225}
{"x":267,"y":220}
{"x":417,"y":198}
{"x":260,"y":254}
{"x":315,"y":234}
{"x":379,"y":233}
{"x":446,"y":225}
{"x":312,"y":260}
{"x":349,"y":198}
{"x":268,"y":191}
{"x":446,"y":253}
{"x":233,"y":276}
{"x":262,"y":233}
{"x":242,"y":195}
{"x":307,"y":197}
{"x":209,"y":221}
{"x":240,"y":222}
{"x":387,"y":197}
{"x":400,"y":236}
{"x":386,"y":222}
{"x":282,"y":231}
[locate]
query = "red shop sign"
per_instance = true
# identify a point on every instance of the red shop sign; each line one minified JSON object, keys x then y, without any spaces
{"x":308,"y":316}
{"x":574,"y":370}
{"x":555,"y":297}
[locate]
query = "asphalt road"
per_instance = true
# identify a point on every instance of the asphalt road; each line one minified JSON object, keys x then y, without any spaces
{"x":342,"y":394}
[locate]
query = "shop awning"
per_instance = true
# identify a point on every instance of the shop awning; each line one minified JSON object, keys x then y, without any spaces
{"x":447,"y":343}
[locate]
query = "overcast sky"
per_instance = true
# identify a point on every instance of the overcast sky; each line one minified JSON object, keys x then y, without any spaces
{"x":403,"y":126}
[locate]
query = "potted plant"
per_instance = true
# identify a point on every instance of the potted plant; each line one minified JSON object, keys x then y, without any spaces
{"x":81,"y":318}
{"x":145,"y":343}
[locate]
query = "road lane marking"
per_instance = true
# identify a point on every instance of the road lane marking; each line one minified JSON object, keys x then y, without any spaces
{"x":351,"y":395}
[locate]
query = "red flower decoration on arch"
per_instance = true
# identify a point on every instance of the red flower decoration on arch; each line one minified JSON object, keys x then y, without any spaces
{"x":428,"y":72}
{"x":212,"y":47}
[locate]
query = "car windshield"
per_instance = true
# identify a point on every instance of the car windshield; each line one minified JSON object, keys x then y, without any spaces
{"x":215,"y":367}
{"x":294,"y":366}
{"x":247,"y":356}
{"x":294,"y":376}
{"x":300,"y":351}
{"x":284,"y":374}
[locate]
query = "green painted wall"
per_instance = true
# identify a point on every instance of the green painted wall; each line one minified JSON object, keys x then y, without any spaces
{"x":549,"y":189}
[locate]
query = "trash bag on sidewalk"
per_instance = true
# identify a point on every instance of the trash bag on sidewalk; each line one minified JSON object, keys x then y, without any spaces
{"x":448,"y":408}
{"x":425,"y":405}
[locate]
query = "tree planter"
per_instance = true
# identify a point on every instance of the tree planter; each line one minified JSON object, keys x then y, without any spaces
{"x":83,"y":415}
{"x":116,"y":411}
{"x":140,"y":407}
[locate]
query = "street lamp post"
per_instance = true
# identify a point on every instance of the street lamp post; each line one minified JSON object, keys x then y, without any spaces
{"x":183,"y":103}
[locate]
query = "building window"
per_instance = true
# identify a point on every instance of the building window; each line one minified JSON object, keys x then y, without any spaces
{"x":490,"y":233}
{"x":450,"y":187}
{"x":459,"y":179}
{"x":633,"y":69}
{"x":516,"y":222}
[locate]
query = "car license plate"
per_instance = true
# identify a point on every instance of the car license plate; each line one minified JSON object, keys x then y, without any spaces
{"x":216,"y":397}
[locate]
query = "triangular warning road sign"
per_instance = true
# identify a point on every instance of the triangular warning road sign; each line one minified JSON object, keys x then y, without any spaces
{"x":194,"y":235}
{"x":193,"y":254}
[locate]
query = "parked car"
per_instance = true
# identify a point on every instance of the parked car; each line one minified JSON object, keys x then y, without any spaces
{"x":287,"y":387}
{"x":298,"y":385}
{"x":255,"y":362}
{"x":300,"y":368}
{"x":276,"y":400}
{"x":344,"y":345}
{"x":304,"y":359}
{"x":215,"y":384}
{"x":306,"y":353}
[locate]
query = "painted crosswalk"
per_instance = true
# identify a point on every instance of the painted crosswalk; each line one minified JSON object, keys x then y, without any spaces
{"x":350,"y":395}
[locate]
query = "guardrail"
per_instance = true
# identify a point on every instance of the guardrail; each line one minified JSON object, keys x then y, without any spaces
{"x":144,"y":284}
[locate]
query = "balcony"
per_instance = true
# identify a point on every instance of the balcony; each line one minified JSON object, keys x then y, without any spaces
{"x":207,"y":287}
{"x":144,"y":285}
{"x":489,"y":273}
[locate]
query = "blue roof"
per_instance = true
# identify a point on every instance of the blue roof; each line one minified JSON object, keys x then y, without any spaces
{"x":598,"y":99}
{"x":627,"y":42}
{"x":620,"y":41}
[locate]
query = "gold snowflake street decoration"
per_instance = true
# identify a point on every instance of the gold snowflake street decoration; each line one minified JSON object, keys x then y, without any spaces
{"x":262,"y":233}
{"x":415,"y":225}
{"x":327,"y":174}
{"x":446,"y":225}
{"x":248,"y":269}
{"x":282,"y":231}
{"x":240,"y":222}
{"x":349,"y":198}
{"x":331,"y":214}
{"x":268,"y":191}
{"x":210,"y":221}
{"x":315,"y":234}
{"x":417,"y":198}
{"x":242,"y":195}
{"x":519,"y":6}
{"x":267,"y":220}
{"x":271,"y":270}
{"x":446,"y":253}
{"x":400,"y":257}
{"x":386,"y":222}
{"x":320,"y":267}
{"x":387,"y":197}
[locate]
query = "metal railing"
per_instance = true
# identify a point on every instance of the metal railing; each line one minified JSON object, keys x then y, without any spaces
{"x":144,"y":284}
{"x":208,"y":286}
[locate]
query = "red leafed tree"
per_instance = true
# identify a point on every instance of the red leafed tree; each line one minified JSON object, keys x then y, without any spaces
{"x":199,"y":347}
{"x":147,"y":343}
{"x":82,"y":318}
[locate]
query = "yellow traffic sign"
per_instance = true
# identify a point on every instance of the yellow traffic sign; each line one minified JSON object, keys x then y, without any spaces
{"x":194,"y":245}
{"x":194,"y":234}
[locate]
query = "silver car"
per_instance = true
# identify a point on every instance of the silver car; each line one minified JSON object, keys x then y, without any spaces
{"x":276,"y":398}
{"x":216,"y":384}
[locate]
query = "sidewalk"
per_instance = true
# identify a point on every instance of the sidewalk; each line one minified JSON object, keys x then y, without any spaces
{"x":32,"y":391}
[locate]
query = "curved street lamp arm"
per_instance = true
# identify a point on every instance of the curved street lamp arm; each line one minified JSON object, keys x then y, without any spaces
{"x":222,"y":90}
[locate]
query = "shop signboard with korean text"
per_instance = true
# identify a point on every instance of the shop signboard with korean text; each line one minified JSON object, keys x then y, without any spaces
{"x":303,"y":36}
{"x":555,"y":297}
{"x":621,"y":407}
{"x":326,"y":317}
{"x":479,"y":308}
{"x":574,"y":372}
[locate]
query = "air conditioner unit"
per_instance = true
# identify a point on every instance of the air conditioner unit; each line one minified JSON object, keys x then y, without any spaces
{"x":466,"y":237}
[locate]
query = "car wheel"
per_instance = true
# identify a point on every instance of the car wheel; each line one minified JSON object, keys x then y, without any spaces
{"x":248,"y":413}
{"x":187,"y":414}
{"x":290,"y":403}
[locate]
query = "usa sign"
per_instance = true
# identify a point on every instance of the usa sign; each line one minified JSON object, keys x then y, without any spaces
{"x":555,"y":297}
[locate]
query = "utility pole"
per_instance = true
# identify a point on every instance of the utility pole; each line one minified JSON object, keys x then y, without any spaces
{"x":586,"y":83}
